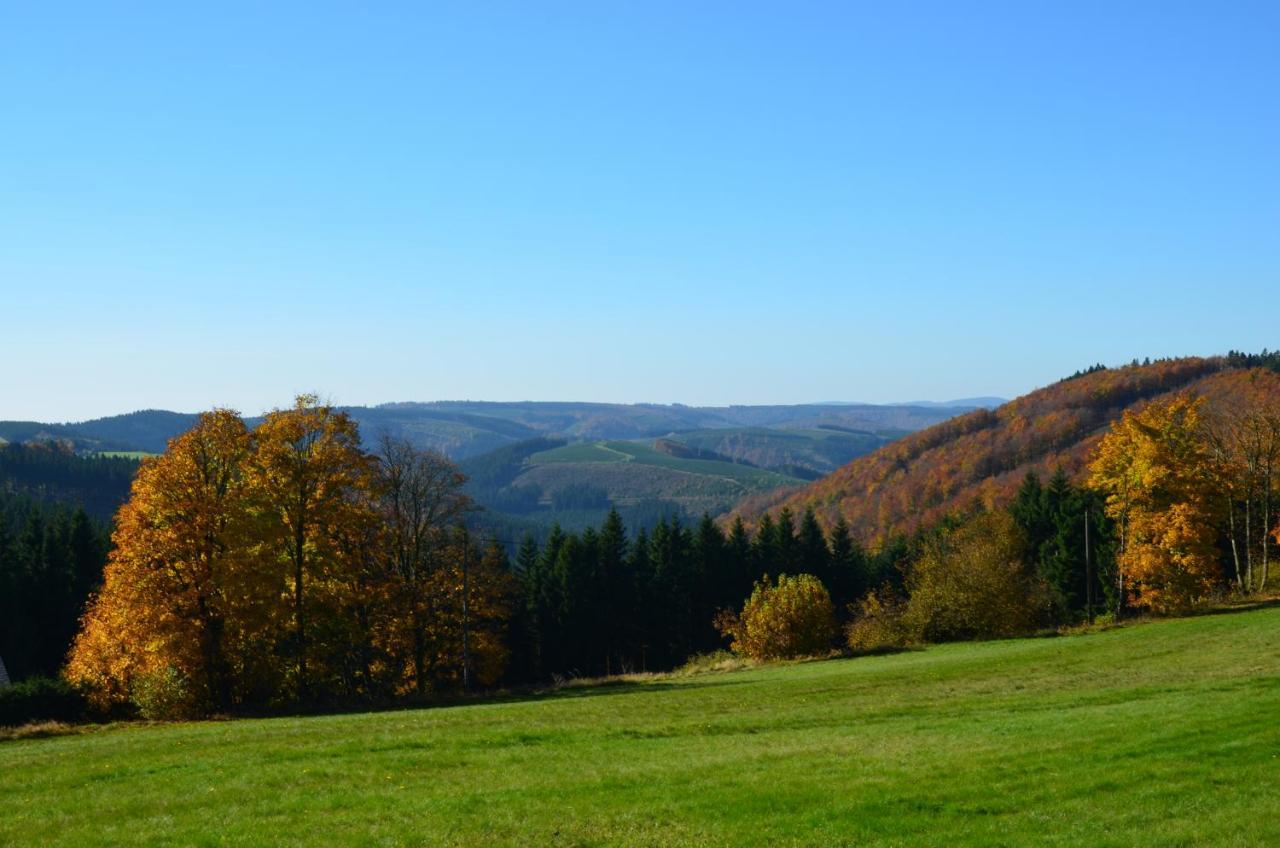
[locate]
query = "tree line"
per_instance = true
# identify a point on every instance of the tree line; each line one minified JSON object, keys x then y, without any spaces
{"x":605,"y":601}
{"x":1180,"y":507}
{"x":287,"y":564}
{"x":51,"y":558}
{"x":51,"y":471}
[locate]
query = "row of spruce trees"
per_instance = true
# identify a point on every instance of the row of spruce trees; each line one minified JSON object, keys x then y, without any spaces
{"x":51,"y":558}
{"x":604,"y":601}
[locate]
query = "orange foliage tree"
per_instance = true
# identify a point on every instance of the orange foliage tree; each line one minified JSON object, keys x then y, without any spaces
{"x":180,"y":598}
{"x":307,"y":479}
{"x":268,"y":566}
{"x":1160,"y":478}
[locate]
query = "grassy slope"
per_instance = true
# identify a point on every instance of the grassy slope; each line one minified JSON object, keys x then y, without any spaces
{"x":633,"y":472}
{"x":820,"y":450}
{"x":1163,"y":734}
{"x":643,"y":454}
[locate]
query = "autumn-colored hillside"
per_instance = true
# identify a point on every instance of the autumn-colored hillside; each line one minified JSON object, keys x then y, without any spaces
{"x":982,"y":456}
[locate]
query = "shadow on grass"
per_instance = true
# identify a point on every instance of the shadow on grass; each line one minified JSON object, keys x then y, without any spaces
{"x":882,"y":651}
{"x":570,"y":690}
{"x":1233,"y":607}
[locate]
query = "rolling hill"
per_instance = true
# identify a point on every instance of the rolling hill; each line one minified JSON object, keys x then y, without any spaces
{"x":981,"y":456}
{"x":799,"y":452}
{"x":647,"y":459}
{"x":533,"y":484}
{"x":98,"y":483}
{"x":462,"y":429}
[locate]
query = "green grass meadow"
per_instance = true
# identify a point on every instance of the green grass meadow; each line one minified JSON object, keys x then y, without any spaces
{"x":1161,"y":734}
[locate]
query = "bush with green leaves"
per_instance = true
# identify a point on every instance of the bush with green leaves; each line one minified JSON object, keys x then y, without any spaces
{"x":165,"y":695}
{"x":878,"y":625}
{"x":40,"y":699}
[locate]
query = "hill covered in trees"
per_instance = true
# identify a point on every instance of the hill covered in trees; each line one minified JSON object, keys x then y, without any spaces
{"x":980,"y":458}
{"x":529,"y":486}
{"x":51,"y":472}
{"x":646,"y":460}
{"x":463,"y":429}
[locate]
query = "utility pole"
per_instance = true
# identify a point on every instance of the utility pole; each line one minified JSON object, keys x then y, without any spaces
{"x":1088,"y":573}
{"x":466,"y":612}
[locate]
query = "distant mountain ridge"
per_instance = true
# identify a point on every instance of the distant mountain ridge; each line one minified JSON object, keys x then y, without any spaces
{"x":533,"y":464}
{"x":985,"y":402}
{"x":463,"y":429}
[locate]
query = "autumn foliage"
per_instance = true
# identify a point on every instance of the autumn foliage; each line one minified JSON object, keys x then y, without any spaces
{"x":267,"y":566}
{"x":792,"y":618}
{"x":983,"y":456}
{"x":970,"y":582}
{"x":1159,"y":475}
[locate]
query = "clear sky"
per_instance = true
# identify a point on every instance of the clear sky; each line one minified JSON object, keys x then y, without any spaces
{"x":698,"y":202}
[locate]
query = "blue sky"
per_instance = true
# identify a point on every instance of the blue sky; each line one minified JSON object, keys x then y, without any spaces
{"x":703,"y":203}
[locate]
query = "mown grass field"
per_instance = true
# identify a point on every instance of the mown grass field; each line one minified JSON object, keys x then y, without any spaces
{"x":1162,"y":734}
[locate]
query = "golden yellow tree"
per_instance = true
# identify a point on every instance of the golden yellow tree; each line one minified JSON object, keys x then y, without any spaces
{"x":310,"y":485}
{"x":288,"y":562}
{"x":179,"y":600}
{"x":1158,"y":472}
{"x":792,"y":618}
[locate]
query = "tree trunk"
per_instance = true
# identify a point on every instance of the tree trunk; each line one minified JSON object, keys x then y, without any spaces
{"x":1266,"y":526}
{"x":1248,"y":539}
{"x":299,"y":612}
{"x":217,"y":679}
{"x":1235,"y":547}
{"x":419,"y":653}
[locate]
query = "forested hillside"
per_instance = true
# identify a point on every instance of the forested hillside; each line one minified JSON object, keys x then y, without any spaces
{"x":55,"y":511}
{"x":808,"y":453}
{"x":463,"y":429}
{"x":982,"y":457}
{"x":50,"y":472}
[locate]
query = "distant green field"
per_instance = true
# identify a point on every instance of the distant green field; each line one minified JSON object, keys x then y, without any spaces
{"x":643,"y":454}
{"x":127,"y":454}
{"x":1162,"y":734}
{"x":633,"y":472}
{"x":817,"y":449}
{"x":581,"y":452}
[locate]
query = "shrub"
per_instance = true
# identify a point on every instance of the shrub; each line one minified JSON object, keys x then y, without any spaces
{"x":164,"y":695}
{"x":793,"y":618}
{"x":971,"y":583}
{"x":40,"y":699}
{"x":878,"y":625}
